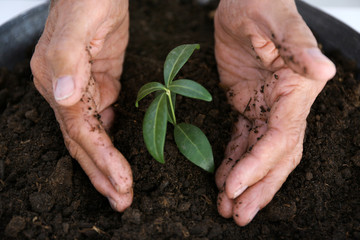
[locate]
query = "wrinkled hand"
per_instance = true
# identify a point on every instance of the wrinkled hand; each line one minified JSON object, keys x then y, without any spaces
{"x":272,"y":70}
{"x":76,"y":66}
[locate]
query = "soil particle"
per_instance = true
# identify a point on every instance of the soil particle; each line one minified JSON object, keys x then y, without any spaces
{"x":280,"y":211}
{"x":309,"y":176}
{"x":166,"y":202}
{"x":132,"y":216}
{"x":32,"y":115}
{"x":50,"y":156}
{"x":177,"y":229}
{"x":339,"y":180}
{"x":199,"y":120}
{"x":61,"y":181}
{"x":273,"y":36}
{"x":305,"y":70}
{"x":41,"y":202}
{"x":356,"y":140}
{"x":200,"y":229}
{"x":356,"y":159}
{"x":346,"y":173}
{"x":65,"y":227}
{"x":214,"y":113}
{"x":3,"y":149}
{"x":146,"y":205}
{"x":184,"y":207}
{"x":265,"y":230}
{"x":215,"y":231}
{"x":16,"y":225}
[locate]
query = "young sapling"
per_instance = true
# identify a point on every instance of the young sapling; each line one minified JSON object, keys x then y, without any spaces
{"x":190,"y":140}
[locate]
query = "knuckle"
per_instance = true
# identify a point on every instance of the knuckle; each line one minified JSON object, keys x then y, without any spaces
{"x":294,"y":161}
{"x":288,"y":138}
{"x":55,"y":53}
{"x":51,"y":53}
{"x":101,"y":163}
{"x":295,"y":158}
{"x":36,"y":64}
{"x":96,"y":181}
{"x":292,"y":137}
{"x":40,"y":72}
{"x":70,"y":129}
{"x":321,"y":84}
{"x":72,"y":147}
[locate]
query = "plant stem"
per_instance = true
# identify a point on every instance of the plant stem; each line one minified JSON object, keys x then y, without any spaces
{"x":168,"y":93}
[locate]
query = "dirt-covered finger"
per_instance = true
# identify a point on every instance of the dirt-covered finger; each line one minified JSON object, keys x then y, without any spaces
{"x":247,"y":205}
{"x":83,"y":125}
{"x":295,"y":42}
{"x":256,"y":163}
{"x":118,"y":201}
{"x":107,"y":118}
{"x":234,"y":150}
{"x":225,"y":205}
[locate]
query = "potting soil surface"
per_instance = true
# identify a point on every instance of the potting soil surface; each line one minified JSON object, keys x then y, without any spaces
{"x":44,"y":194}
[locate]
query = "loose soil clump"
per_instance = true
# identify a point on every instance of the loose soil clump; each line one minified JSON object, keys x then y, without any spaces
{"x":44,"y":194}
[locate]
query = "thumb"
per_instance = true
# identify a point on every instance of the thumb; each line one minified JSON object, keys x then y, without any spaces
{"x":296,"y":43}
{"x":69,"y":50}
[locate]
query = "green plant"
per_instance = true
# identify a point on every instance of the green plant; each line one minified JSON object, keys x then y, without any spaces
{"x":190,"y":140}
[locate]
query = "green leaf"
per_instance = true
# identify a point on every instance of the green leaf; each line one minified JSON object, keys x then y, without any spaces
{"x":176,"y":59}
{"x":154,"y":127}
{"x":170,"y":116}
{"x":190,"y":88}
{"x":147,"y":89}
{"x":193,"y":143}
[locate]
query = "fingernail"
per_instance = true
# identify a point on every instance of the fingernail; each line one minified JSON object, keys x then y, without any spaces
{"x":112,"y":203}
{"x":239,"y":191}
{"x":253,"y":214}
{"x":64,"y":88}
{"x":317,"y":55}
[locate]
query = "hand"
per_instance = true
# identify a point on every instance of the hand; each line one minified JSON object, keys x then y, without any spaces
{"x":272,"y":70}
{"x":76,"y":66}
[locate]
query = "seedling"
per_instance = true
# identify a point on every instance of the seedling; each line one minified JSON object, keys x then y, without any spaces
{"x":190,"y":140}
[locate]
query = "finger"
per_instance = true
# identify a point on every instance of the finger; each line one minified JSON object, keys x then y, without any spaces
{"x":83,"y":125}
{"x":256,"y":164}
{"x":107,"y":118}
{"x":107,"y":88}
{"x":285,"y":128}
{"x":234,"y":150}
{"x":266,"y":52}
{"x":247,"y":205}
{"x":111,"y":58}
{"x":108,"y":65}
{"x":225,"y":205}
{"x":69,"y":52}
{"x":118,"y":201}
{"x":297,"y":45}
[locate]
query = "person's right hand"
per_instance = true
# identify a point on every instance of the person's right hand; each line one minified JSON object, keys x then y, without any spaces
{"x":76,"y":66}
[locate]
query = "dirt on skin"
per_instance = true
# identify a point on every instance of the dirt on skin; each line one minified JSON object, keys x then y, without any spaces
{"x":44,"y":194}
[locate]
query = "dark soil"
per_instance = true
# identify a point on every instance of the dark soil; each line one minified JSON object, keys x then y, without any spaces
{"x":44,"y":194}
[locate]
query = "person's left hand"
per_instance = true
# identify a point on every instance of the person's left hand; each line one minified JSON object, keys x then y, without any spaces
{"x":272,"y":70}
